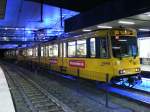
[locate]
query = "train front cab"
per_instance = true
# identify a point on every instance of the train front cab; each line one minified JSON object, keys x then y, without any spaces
{"x":126,"y":62}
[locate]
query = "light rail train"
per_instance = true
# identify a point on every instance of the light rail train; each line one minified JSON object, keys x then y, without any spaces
{"x":97,"y":55}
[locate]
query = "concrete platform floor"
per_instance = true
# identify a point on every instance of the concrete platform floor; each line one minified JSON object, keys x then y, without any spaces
{"x":6,"y":103}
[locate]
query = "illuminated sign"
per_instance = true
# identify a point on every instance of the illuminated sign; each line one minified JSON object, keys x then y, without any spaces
{"x":124,"y":32}
{"x":77,"y":63}
{"x":53,"y":61}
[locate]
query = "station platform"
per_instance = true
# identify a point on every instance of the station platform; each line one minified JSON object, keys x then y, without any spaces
{"x":6,"y":103}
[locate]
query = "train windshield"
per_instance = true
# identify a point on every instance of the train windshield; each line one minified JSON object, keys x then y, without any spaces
{"x":124,"y":46}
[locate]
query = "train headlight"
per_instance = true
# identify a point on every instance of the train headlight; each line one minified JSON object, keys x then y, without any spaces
{"x":137,"y":69}
{"x":122,"y":71}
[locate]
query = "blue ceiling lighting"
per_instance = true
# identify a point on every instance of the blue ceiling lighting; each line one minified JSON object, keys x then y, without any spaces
{"x":28,"y":31}
{"x":8,"y":46}
{"x":48,"y":31}
{"x":24,"y":18}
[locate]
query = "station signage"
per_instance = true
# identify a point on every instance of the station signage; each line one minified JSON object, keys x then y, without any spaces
{"x":53,"y":61}
{"x":77,"y":63}
{"x":123,"y":32}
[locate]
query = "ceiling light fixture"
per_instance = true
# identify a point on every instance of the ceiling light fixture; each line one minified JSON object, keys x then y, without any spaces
{"x":144,"y":29}
{"x":99,"y":26}
{"x":86,"y":30}
{"x":148,"y":14}
{"x":126,"y":22}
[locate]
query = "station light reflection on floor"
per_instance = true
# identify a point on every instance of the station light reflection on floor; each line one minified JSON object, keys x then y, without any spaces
{"x":145,"y":85}
{"x":65,"y":76}
{"x":68,"y":77}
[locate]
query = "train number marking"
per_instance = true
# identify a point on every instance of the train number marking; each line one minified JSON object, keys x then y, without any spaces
{"x":104,"y":63}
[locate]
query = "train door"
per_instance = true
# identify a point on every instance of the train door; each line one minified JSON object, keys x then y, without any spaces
{"x":104,"y":55}
{"x":60,"y":55}
{"x":63,"y":57}
{"x":39,"y":53}
{"x":47,"y":56}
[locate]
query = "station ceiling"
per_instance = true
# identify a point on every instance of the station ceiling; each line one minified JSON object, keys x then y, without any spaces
{"x":27,"y":14}
{"x":31,"y":14}
{"x":111,"y":11}
{"x":76,"y":5}
{"x":140,"y":22}
{"x":24,"y":17}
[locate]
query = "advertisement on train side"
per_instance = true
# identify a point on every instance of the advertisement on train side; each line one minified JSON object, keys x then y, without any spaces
{"x":53,"y":61}
{"x":77,"y":63}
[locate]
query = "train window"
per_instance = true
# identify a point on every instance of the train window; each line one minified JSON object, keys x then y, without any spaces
{"x":81,"y":48}
{"x":50,"y":50}
{"x":60,"y":49}
{"x":53,"y":50}
{"x":17,"y":52}
{"x":36,"y":51}
{"x":47,"y":51}
{"x":103,"y":48}
{"x":13,"y":53}
{"x":64,"y":49}
{"x":42,"y":51}
{"x":24,"y":53}
{"x":92,"y":47}
{"x":32,"y":51}
{"x":71,"y":49}
{"x":124,"y":46}
{"x":29,"y":52}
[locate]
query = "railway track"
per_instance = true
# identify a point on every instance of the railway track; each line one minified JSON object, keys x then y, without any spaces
{"x":87,"y":91}
{"x":133,"y":94}
{"x":36,"y":98}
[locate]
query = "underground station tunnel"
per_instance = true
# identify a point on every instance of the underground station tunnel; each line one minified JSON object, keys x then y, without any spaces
{"x":74,"y":56}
